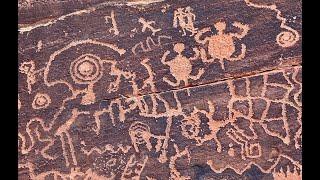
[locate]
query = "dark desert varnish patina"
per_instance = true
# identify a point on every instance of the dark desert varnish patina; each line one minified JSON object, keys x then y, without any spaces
{"x":160,"y":89}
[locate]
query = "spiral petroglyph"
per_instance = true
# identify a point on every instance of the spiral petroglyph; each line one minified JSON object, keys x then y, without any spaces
{"x":162,"y":90}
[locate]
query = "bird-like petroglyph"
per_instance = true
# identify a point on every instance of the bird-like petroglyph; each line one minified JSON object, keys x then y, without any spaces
{"x":185,"y":89}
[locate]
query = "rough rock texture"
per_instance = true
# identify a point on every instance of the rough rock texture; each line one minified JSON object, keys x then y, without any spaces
{"x":179,"y":89}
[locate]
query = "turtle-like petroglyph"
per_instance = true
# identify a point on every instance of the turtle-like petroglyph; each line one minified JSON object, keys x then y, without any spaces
{"x":162,"y":90}
{"x":29,"y":69}
{"x":180,"y":67}
{"x":285,"y":38}
{"x":114,"y":28}
{"x":148,"y":25}
{"x":149,"y":44}
{"x":185,"y":18}
{"x":41,"y":101}
{"x":222,"y":46}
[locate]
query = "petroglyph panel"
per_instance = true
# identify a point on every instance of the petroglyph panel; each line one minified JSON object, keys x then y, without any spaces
{"x":161,"y":90}
{"x":210,"y":126}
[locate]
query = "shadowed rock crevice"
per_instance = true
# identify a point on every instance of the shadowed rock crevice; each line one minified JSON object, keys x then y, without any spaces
{"x":160,"y":90}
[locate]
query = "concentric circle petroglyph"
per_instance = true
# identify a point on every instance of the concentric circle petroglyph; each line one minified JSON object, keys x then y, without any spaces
{"x":286,"y":39}
{"x":139,"y":132}
{"x":86,"y":69}
{"x":167,"y":104}
{"x":41,"y":101}
{"x":83,"y":69}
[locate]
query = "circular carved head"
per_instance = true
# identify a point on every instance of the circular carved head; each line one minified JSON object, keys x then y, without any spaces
{"x":179,"y":47}
{"x":86,"y":69}
{"x":220,"y":26}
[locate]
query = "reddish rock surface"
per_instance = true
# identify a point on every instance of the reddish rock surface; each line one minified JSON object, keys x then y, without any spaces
{"x":160,"y":89}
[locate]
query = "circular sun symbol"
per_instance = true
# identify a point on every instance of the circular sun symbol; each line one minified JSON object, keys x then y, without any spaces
{"x":41,"y":101}
{"x":286,"y":39}
{"x":86,"y":69}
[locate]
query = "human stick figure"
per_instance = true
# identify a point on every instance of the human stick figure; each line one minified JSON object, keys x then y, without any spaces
{"x":184,"y":17}
{"x":147,"y":25}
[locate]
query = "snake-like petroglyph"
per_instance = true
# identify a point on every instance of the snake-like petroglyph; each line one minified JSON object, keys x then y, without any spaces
{"x":249,"y":102}
{"x":149,"y":44}
{"x":114,"y":107}
{"x":285,"y":38}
